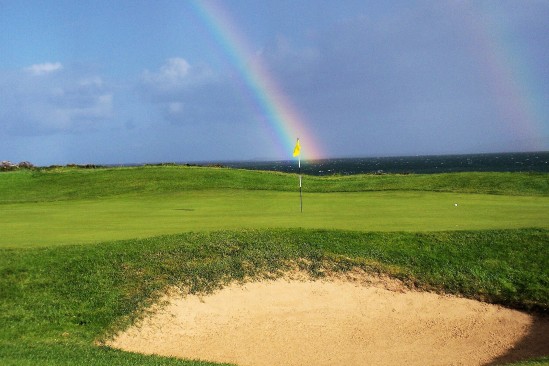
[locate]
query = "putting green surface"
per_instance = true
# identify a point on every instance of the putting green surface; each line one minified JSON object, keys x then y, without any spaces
{"x":32,"y":224}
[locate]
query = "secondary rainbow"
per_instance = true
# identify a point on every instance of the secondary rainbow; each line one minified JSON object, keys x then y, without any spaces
{"x":284,"y":118}
{"x":514,"y":87}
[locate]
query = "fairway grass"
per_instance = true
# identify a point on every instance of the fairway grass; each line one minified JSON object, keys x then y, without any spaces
{"x":124,"y":217}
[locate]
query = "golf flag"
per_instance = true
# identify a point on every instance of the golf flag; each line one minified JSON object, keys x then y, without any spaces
{"x":297,"y":149}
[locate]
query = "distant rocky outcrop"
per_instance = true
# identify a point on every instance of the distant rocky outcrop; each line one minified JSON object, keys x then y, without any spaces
{"x":25,"y":165}
{"x":6,"y":165}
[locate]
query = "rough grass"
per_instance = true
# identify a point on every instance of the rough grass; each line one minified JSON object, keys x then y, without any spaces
{"x":56,"y":302}
{"x":544,"y":361}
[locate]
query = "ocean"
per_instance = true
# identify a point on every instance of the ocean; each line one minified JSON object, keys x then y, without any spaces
{"x":503,"y":162}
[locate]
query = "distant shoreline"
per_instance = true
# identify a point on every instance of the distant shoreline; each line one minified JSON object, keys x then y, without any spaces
{"x":426,"y":164}
{"x":537,"y":162}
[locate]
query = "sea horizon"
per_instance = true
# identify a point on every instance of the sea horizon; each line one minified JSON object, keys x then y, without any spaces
{"x":537,"y":161}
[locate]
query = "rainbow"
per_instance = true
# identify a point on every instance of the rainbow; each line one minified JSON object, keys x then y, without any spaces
{"x":511,"y":82}
{"x":283,"y":117}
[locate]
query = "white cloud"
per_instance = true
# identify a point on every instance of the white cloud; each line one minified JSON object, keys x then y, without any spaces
{"x":186,"y":94}
{"x":175,"y":107}
{"x":92,"y":81}
{"x":78,"y":116}
{"x":174,"y":77}
{"x":172,"y":73}
{"x":45,"y":68}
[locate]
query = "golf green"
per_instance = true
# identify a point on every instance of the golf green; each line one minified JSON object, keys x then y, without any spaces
{"x":130,"y":216}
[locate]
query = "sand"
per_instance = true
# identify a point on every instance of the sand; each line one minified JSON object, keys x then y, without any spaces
{"x":335,"y":322}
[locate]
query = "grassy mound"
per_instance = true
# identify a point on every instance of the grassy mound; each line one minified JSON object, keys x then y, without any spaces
{"x":75,"y":183}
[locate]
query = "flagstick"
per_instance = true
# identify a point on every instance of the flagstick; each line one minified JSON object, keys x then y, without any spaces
{"x":300,"y":189}
{"x":297,"y":152}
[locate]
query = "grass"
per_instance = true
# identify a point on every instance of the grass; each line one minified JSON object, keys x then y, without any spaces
{"x":74,"y":183}
{"x":68,"y":205}
{"x":124,"y":217}
{"x":57,"y":299}
{"x":56,"y":302}
{"x":544,"y":361}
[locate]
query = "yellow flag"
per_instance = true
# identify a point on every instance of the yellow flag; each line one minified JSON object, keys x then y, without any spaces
{"x":297,"y":148}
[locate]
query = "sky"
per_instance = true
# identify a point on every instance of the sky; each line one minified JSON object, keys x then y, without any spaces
{"x":139,"y":81}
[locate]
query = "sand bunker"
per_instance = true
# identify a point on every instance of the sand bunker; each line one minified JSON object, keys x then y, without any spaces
{"x":336,"y":322}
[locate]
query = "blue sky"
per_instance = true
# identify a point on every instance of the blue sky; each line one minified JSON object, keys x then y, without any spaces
{"x":137,"y":81}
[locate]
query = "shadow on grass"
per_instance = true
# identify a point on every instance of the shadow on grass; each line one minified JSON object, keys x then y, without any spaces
{"x":535,"y":344}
